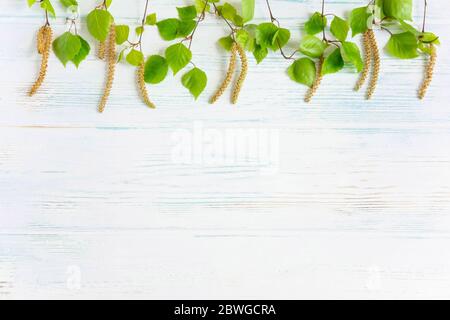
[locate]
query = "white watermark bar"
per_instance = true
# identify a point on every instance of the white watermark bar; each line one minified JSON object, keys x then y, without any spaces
{"x":206,"y":146}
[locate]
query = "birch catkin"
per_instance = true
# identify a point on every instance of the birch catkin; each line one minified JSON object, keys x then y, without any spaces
{"x":229,"y":76}
{"x":41,"y":39}
{"x":367,"y":61}
{"x":429,"y":71}
{"x":111,"y":56}
{"x":142,"y":87}
{"x":101,"y":52}
{"x":376,"y":64}
{"x":44,"y":40}
{"x":312,"y":91}
{"x":243,"y":75}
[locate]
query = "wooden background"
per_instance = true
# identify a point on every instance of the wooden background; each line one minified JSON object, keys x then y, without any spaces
{"x":353,"y":203}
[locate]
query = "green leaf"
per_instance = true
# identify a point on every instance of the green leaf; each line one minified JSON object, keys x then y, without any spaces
{"x":185,"y":28}
{"x":251,"y":32}
{"x":121,"y":54}
{"x":339,"y":28}
{"x":139,"y":30}
{"x":333,"y":63}
{"x":66,"y":47}
{"x":47,"y":5}
{"x":178,"y":56}
{"x":351,"y":54}
{"x":122,"y":33}
{"x":280,"y":39}
{"x":242,"y":37}
{"x":187,"y":13}
{"x":31,"y":2}
{"x":360,"y":20}
{"x":265,"y":34}
{"x":312,"y":46}
{"x":429,"y":37}
{"x":403,"y":45}
{"x":408,"y":28}
{"x":98,"y":23}
{"x":83,"y":53}
{"x":150,"y":20}
{"x":200,"y":5}
{"x":156,"y":69}
{"x":315,"y":24}
{"x":260,"y":53}
{"x":226,"y":42}
{"x":398,"y":9}
{"x":238,"y":20}
{"x":228,"y":11}
{"x":425,"y":48}
{"x":303,"y":71}
{"x":168,"y":28}
{"x":379,"y":14}
{"x":248,"y":10}
{"x":195,"y":81}
{"x":68,"y":3}
{"x":135,"y":57}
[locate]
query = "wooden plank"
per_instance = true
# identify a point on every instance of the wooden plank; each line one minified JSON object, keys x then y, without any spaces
{"x":272,"y":198}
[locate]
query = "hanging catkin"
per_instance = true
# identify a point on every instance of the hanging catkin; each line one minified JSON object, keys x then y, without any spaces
{"x":243,"y":75}
{"x":142,"y":87}
{"x":376,"y":64}
{"x":41,"y":39}
{"x":367,"y":61}
{"x":229,"y":76}
{"x":111,"y":56}
{"x":312,"y":91}
{"x":101,"y":52}
{"x":44,"y":40}
{"x":429,"y":71}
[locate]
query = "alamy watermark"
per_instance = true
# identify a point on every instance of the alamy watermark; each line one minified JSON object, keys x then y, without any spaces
{"x":236,"y":146}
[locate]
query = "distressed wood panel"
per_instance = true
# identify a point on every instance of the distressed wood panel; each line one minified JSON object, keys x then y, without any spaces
{"x":341,"y":198}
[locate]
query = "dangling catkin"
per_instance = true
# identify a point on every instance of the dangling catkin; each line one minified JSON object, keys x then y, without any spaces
{"x":244,"y":69}
{"x":101,"y":50}
{"x":376,"y":64}
{"x":367,"y":61}
{"x":229,"y":76}
{"x":41,"y":39}
{"x":141,"y":85}
{"x":44,"y":44}
{"x":312,"y":91}
{"x":429,"y":71}
{"x":111,"y":56}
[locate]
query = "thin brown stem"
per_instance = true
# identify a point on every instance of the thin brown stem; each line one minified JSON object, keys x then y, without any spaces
{"x":143,"y":25}
{"x":47,"y":22}
{"x":387,"y":30}
{"x":424,"y":15}
{"x":200,"y":19}
{"x":73,"y":24}
{"x":284,"y":55}
{"x":227,"y":22}
{"x":273,"y":19}
{"x":324,"y":34}
{"x":323,"y":15}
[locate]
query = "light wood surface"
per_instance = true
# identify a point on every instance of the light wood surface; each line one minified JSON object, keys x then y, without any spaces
{"x":351,"y":199}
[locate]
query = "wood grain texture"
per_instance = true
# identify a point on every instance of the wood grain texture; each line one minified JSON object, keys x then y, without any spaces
{"x":356,"y":203}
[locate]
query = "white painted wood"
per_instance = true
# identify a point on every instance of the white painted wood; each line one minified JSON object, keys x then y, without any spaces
{"x":343,"y":199}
